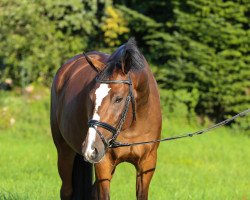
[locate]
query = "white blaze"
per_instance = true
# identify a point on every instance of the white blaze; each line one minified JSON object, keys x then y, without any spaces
{"x":100,"y":94}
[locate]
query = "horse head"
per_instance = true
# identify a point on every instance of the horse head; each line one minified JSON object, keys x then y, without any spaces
{"x":114,"y":99}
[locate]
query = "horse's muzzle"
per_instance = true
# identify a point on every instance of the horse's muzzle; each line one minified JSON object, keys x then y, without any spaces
{"x":93,"y":150}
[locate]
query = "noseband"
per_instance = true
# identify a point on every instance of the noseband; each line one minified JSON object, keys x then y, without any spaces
{"x":115,"y":131}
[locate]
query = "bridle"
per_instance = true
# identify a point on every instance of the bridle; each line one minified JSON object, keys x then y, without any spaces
{"x":112,"y":143}
{"x":114,"y":130}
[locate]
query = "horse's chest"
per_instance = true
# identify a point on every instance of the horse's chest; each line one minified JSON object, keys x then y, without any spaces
{"x":130,"y":154}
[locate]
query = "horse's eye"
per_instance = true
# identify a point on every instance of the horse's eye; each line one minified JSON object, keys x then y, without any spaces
{"x":118,"y":99}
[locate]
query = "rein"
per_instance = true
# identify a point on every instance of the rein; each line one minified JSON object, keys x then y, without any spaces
{"x":112,"y":143}
{"x":241,"y":114}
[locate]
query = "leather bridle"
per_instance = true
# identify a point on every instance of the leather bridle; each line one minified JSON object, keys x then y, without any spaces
{"x":112,"y":143}
{"x":114,"y":130}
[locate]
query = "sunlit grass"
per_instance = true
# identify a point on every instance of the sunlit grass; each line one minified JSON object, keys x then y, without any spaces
{"x":212,"y":166}
{"x":28,"y":157}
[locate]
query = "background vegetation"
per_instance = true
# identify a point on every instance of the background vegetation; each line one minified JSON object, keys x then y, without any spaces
{"x":199,"y":51}
{"x":199,"y":48}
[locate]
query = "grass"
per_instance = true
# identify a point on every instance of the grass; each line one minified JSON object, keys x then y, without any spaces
{"x":212,"y":166}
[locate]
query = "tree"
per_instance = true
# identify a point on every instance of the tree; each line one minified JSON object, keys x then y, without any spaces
{"x":38,"y":36}
{"x":201,"y":46}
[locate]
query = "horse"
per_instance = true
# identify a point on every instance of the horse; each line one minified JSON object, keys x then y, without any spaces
{"x":97,"y":101}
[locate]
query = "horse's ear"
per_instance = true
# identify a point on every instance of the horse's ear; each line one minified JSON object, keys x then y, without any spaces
{"x":131,"y":57}
{"x":96,"y":64}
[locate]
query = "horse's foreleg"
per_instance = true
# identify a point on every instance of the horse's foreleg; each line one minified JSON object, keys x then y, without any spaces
{"x":65,"y":166}
{"x":145,"y":171}
{"x":65,"y":160}
{"x":103,"y":172}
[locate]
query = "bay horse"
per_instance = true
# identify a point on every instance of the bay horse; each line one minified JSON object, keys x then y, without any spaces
{"x":97,"y":100}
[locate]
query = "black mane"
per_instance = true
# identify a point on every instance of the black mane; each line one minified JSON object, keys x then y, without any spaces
{"x":127,"y":54}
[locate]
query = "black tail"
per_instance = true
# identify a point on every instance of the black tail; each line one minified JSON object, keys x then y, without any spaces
{"x":82,"y":179}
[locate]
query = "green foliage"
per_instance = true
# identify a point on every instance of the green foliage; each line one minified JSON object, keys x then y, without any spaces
{"x":139,"y":24}
{"x":181,"y":102}
{"x":197,"y":45}
{"x":200,"y":46}
{"x":114,"y":27}
{"x":38,"y":36}
{"x":215,"y":55}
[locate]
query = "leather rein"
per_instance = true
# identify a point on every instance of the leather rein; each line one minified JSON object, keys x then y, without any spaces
{"x":112,"y":143}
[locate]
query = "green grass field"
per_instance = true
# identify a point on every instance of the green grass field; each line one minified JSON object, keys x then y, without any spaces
{"x":212,"y":166}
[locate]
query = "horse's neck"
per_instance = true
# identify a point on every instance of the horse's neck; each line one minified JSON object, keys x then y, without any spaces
{"x":143,"y":94}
